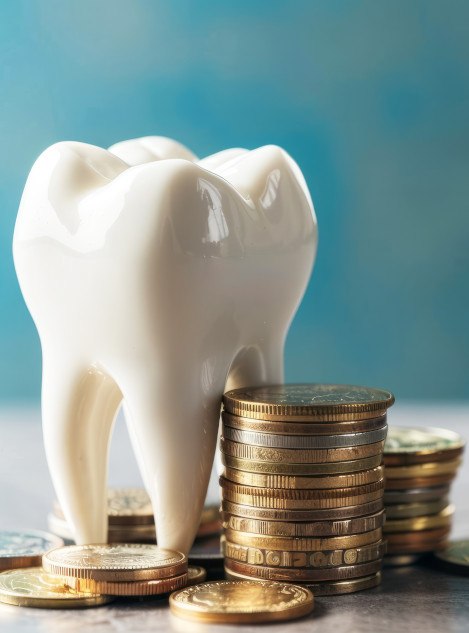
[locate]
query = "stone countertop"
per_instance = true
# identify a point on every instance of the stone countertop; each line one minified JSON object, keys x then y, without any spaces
{"x":418,"y":598}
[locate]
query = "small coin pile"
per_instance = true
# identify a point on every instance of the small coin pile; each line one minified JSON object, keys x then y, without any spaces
{"x":130,"y":517}
{"x":302,"y":490}
{"x":420,"y":464}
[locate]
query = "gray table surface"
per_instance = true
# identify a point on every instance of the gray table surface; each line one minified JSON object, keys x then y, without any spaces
{"x":415,"y":598}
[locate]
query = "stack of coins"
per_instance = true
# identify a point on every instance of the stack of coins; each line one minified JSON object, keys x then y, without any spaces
{"x":420,"y":464}
{"x":302,"y":490}
{"x":131,"y":520}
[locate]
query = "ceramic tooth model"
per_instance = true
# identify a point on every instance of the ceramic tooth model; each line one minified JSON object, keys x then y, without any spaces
{"x":161,"y":285}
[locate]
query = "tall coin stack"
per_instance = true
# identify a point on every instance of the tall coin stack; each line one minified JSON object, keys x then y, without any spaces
{"x":302,"y":490}
{"x":420,"y":465}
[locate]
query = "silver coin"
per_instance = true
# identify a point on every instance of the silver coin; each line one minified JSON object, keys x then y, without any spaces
{"x":25,"y":548}
{"x":304,"y":441}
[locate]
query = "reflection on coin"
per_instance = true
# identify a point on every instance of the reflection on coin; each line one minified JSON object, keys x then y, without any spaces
{"x":293,"y":482}
{"x":413,"y":445}
{"x":115,"y":562}
{"x":129,"y":588}
{"x":455,"y":556}
{"x":442,"y":519}
{"x":32,"y":587}
{"x":195,"y":575}
{"x":296,"y":574}
{"x":428,"y":469}
{"x":25,"y":548}
{"x":318,"y":402}
{"x":279,"y":468}
{"x":242,"y":601}
{"x":116,"y":533}
{"x":408,"y":510}
{"x":274,"y":514}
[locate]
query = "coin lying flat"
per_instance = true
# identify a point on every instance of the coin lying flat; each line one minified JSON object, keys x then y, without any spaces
{"x":419,"y":482}
{"x":408,"y":445}
{"x":25,"y":548}
{"x":129,"y":588}
{"x":455,"y":556}
{"x":115,"y":562}
{"x":427,"y":469}
{"x":116,"y":534}
{"x":415,"y":495}
{"x":279,"y":468}
{"x":32,"y":587}
{"x":316,"y":402}
{"x":242,"y":601}
{"x":442,"y":519}
{"x":409,"y":510}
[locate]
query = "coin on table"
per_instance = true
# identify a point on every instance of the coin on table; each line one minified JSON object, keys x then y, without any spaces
{"x":25,"y":548}
{"x":413,"y":524}
{"x":413,"y":445}
{"x":115,"y":562}
{"x":427,"y":469}
{"x":32,"y":587}
{"x":128,"y":588}
{"x":308,"y":402}
{"x":279,"y":468}
{"x":195,"y":575}
{"x":455,"y":556}
{"x":242,"y":601}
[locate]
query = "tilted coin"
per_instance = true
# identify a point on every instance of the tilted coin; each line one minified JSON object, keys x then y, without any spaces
{"x":279,"y":468}
{"x":301,"y":504}
{"x":307,"y":559}
{"x":241,"y":601}
{"x":294,"y":482}
{"x":412,"y":445}
{"x":304,"y":441}
{"x":116,"y":533}
{"x":281,"y":427}
{"x":25,"y":548}
{"x":115,"y":562}
{"x":274,"y":514}
{"x":299,"y":455}
{"x":408,"y":510}
{"x":296,"y":574}
{"x":442,"y":519}
{"x":300,"y":493}
{"x":304,"y":543}
{"x":455,"y":556}
{"x":129,"y":588}
{"x":343,"y":527}
{"x":330,"y":588}
{"x":318,"y":402}
{"x":428,"y":469}
{"x":416,"y":495}
{"x":418,"y":482}
{"x":32,"y":587}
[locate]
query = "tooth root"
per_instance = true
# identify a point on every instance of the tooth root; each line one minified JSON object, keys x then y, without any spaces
{"x":175,"y":427}
{"x":257,"y":365}
{"x":79,"y":406}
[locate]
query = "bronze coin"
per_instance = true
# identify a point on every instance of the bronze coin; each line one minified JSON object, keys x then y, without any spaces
{"x":273,"y":514}
{"x":417,"y":538}
{"x":418,"y":482}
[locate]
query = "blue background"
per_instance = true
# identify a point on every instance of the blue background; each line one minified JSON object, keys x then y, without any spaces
{"x":372,"y":100}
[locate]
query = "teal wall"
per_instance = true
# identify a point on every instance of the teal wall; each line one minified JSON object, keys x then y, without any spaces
{"x":371,"y":98}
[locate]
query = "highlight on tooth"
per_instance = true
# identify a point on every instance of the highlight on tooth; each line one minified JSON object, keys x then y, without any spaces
{"x":156,"y":281}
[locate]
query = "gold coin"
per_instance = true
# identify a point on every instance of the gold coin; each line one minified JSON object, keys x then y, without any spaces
{"x":429,"y":469}
{"x":324,"y":468}
{"x":301,"y":504}
{"x":293,"y":482}
{"x":129,"y":588}
{"x":32,"y":587}
{"x":442,"y":519}
{"x":195,"y":575}
{"x":308,"y":559}
{"x":416,"y":542}
{"x":115,"y":562}
{"x":455,"y":556}
{"x":243,"y":601}
{"x":329,"y":588}
{"x":280,"y":427}
{"x":415,"y":495}
{"x":296,"y":574}
{"x":418,"y":482}
{"x":116,"y":533}
{"x":25,"y":548}
{"x":304,"y":442}
{"x":409,"y":510}
{"x":312,"y":402}
{"x":299,"y":455}
{"x":344,"y":527}
{"x":411,"y":445}
{"x":303,"y":544}
{"x":300,"y":493}
{"x":274,"y":514}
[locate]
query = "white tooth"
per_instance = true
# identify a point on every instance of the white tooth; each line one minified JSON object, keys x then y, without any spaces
{"x":162,"y":283}
{"x":137,"y":151}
